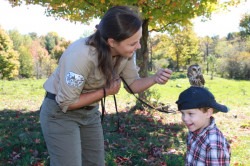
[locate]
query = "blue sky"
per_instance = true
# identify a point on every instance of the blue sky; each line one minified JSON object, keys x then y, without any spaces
{"x":28,"y":19}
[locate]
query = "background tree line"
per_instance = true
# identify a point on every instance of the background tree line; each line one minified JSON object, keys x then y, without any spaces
{"x":33,"y":56}
{"x":228,"y":57}
{"x":157,"y":16}
{"x":29,"y":56}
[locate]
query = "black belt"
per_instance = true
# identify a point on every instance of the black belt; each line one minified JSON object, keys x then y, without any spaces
{"x":53,"y":97}
{"x":50,"y":96}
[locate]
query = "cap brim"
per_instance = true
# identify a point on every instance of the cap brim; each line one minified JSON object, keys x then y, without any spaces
{"x":220,"y":107}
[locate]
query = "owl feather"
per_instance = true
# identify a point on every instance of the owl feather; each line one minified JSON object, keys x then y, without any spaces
{"x":195,"y":76}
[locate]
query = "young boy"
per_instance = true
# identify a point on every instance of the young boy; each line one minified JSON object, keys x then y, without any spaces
{"x":206,"y":145}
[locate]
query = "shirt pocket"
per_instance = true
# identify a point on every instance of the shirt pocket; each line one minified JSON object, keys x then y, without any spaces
{"x":95,"y":80}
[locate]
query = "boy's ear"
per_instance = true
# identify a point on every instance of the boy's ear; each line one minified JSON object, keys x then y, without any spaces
{"x":210,"y":112}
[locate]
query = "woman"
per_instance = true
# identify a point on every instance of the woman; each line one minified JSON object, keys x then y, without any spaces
{"x":88,"y":70}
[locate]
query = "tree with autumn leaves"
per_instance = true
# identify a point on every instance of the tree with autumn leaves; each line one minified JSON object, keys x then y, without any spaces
{"x":157,"y":15}
{"x":9,"y":64}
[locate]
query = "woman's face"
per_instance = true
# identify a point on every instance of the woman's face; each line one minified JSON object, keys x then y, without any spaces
{"x":127,"y":47}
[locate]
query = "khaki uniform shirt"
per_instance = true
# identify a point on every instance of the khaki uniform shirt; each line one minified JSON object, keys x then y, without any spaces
{"x":78,"y":73}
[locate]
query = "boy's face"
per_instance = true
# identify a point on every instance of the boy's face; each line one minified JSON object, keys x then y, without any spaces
{"x":196,"y":119}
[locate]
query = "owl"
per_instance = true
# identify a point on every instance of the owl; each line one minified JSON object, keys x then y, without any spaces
{"x":195,"y":76}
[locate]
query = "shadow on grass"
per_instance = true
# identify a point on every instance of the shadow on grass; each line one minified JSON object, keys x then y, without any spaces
{"x":21,"y":140}
{"x":142,"y":139}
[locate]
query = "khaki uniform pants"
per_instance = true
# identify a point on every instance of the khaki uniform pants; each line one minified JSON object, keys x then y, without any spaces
{"x":74,"y":138}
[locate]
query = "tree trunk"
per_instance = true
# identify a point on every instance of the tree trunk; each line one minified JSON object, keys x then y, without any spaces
{"x":142,"y":54}
{"x":177,"y":61}
{"x":207,"y":53}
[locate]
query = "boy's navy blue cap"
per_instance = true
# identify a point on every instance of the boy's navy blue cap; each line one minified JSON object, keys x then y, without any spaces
{"x":198,"y":97}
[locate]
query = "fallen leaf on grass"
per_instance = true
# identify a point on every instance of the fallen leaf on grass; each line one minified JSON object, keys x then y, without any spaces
{"x":142,"y":138}
{"x":120,"y":159}
{"x":37,"y":141}
{"x":38,"y":164}
{"x":171,"y":151}
{"x":150,"y":119}
{"x":155,"y":151}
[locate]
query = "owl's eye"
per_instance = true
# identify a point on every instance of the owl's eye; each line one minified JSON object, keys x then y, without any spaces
{"x":193,"y":69}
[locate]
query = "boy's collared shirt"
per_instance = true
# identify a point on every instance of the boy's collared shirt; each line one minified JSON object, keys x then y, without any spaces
{"x":208,"y":147}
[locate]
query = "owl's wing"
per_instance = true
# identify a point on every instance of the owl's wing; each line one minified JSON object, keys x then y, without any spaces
{"x":189,"y":74}
{"x":202,"y":80}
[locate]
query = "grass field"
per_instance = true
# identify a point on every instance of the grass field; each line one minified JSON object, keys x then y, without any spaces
{"x":145,"y":137}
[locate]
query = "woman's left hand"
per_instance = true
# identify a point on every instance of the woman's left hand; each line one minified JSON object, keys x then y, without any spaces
{"x":162,"y":76}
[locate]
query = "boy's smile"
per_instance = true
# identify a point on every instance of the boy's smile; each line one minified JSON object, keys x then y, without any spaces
{"x":195,"y":119}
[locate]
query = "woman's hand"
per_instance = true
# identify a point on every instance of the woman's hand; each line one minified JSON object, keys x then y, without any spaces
{"x":162,"y":76}
{"x":114,"y":87}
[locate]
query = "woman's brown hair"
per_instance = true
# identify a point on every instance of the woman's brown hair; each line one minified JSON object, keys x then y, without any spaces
{"x":119,"y":23}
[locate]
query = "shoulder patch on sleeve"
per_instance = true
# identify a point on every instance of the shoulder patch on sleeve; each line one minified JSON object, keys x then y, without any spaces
{"x":73,"y":79}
